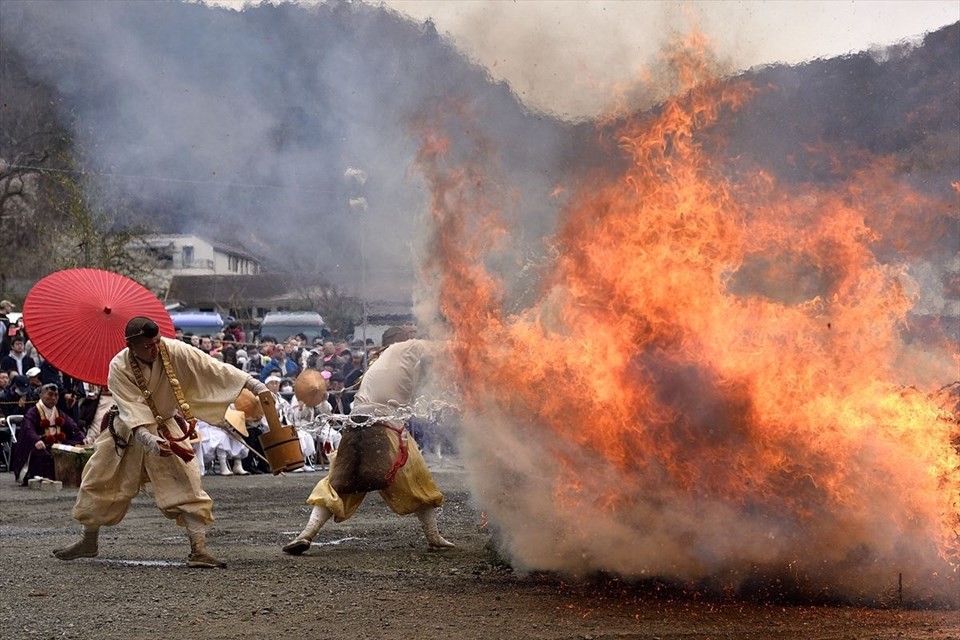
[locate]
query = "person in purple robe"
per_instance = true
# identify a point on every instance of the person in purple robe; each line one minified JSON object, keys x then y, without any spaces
{"x":43,"y":426}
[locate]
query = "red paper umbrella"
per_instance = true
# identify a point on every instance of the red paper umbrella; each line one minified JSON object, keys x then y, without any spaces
{"x":76,"y":319}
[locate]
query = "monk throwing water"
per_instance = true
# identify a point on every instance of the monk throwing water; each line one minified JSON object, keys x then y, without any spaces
{"x":158,"y":384}
{"x":379,"y":455}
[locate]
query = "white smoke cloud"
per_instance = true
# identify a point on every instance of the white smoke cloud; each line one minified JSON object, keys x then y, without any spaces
{"x":569,"y":58}
{"x":251,"y":126}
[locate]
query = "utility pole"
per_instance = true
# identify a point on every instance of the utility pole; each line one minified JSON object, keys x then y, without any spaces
{"x":358,"y":205}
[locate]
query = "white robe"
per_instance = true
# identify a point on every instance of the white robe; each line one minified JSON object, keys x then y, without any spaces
{"x":395,"y":378}
{"x":215,"y":441}
{"x":326,"y":439}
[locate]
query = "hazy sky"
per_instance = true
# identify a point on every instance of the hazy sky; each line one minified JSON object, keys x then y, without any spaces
{"x":565,"y":56}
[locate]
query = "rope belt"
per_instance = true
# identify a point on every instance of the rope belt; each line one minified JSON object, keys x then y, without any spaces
{"x":401,"y":413}
{"x":187,"y":422}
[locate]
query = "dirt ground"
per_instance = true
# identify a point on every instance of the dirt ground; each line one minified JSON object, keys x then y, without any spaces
{"x":369,"y":577}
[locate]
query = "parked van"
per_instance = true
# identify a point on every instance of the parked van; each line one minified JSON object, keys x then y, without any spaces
{"x":199,"y":323}
{"x":283,"y":324}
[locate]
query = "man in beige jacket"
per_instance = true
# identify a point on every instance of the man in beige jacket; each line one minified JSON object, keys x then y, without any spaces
{"x":145,"y":379}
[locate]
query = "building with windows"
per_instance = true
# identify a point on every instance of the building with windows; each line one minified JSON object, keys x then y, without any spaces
{"x":195,"y":273}
{"x":192,"y":255}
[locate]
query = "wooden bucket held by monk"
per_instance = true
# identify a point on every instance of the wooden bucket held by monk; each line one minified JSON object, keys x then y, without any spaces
{"x":280,"y":444}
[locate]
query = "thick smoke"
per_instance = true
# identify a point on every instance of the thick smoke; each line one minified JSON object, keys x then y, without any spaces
{"x":241,"y":125}
{"x":575,"y":58}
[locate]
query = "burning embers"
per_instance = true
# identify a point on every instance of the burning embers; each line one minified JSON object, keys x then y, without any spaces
{"x":709,"y":383}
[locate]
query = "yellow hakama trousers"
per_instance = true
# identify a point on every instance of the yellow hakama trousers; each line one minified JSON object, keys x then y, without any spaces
{"x":411,"y":489}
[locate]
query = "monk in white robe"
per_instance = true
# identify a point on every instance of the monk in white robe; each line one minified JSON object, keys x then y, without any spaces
{"x":326,"y":439}
{"x":393,"y":380}
{"x":134,"y":451}
{"x":219,"y":445}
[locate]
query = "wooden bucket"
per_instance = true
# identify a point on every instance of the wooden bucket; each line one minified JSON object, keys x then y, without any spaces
{"x":281,"y":446}
{"x":68,"y":465}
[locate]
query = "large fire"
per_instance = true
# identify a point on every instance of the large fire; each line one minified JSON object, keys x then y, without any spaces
{"x":708,"y":385}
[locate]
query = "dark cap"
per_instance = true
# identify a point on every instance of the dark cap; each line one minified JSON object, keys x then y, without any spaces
{"x":396,"y":334}
{"x":140,"y":327}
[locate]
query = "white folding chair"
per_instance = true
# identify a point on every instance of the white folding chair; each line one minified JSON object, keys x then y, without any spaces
{"x":6,"y":448}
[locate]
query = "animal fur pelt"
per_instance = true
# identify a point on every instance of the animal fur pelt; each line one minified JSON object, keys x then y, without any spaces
{"x":364,"y":459}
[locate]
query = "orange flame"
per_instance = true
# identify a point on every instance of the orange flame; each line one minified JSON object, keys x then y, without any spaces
{"x":711,"y":376}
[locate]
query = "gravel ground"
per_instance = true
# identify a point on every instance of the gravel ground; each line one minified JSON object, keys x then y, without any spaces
{"x":370,"y":577}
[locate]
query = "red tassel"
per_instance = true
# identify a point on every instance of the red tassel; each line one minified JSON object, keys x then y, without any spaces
{"x":183,"y":453}
{"x":400,"y":461}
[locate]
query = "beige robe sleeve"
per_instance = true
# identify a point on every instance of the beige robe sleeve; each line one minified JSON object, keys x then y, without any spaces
{"x":396,"y":376}
{"x":134,"y":411}
{"x":209,"y":385}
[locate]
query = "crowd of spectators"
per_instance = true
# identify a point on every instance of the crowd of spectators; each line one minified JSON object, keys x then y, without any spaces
{"x":340,"y":363}
{"x":278,"y":362}
{"x":24,"y":374}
